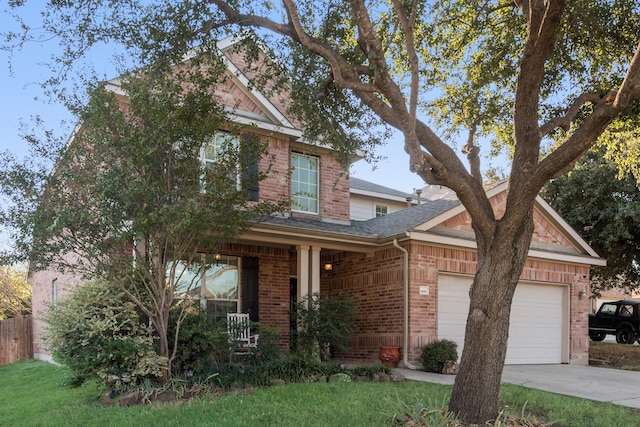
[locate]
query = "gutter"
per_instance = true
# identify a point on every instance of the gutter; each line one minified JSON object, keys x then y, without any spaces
{"x":405,"y":336}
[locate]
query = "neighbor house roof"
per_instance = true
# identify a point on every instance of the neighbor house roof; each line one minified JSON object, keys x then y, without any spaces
{"x":366,"y":188}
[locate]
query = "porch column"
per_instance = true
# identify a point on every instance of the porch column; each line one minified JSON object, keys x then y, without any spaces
{"x":315,"y":270}
{"x":303,"y":272}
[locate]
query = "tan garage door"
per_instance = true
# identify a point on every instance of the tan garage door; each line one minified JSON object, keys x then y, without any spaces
{"x":537,"y":333}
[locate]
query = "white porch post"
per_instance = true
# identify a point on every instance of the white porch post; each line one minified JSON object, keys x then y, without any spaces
{"x":303,"y":272}
{"x":315,"y":270}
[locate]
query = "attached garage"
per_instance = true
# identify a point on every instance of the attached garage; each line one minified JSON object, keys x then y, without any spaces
{"x":539,"y":328}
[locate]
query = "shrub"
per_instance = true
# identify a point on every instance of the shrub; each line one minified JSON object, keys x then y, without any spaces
{"x":202,"y":344}
{"x":324,"y":323}
{"x":436,"y":353}
{"x":98,"y":334}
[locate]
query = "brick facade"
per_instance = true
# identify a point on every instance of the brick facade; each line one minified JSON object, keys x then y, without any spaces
{"x":374,"y":275}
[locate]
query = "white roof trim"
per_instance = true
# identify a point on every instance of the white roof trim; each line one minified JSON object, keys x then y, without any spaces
{"x":533,"y":253}
{"x":235,"y":118}
{"x":382,"y":196}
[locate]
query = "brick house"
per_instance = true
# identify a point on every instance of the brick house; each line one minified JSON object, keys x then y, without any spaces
{"x":423,"y":256}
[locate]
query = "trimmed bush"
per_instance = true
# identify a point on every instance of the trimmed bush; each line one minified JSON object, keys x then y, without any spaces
{"x":98,"y":334}
{"x":436,"y":353}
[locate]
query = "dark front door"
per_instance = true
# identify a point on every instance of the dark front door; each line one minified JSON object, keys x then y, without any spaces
{"x":250,"y":287}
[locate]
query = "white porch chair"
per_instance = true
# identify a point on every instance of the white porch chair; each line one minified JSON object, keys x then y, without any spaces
{"x":239,"y":333}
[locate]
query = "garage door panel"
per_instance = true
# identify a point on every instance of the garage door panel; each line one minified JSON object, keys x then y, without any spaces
{"x":536,"y":326}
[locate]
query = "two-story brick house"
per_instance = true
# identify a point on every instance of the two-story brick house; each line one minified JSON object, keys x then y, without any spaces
{"x":408,"y":271}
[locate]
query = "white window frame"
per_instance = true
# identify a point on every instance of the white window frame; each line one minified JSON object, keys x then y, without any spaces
{"x":303,"y":196}
{"x":200,"y":282}
{"x":211,"y":150}
{"x":381,"y":210}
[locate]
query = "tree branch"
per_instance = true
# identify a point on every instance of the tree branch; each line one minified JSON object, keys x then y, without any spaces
{"x":564,"y":122}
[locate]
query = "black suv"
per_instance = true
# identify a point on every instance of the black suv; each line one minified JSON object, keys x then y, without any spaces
{"x":619,"y":318}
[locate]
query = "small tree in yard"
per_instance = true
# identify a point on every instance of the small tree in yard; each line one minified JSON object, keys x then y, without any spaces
{"x":324,"y":323}
{"x":130,"y":193}
{"x":543,"y":78}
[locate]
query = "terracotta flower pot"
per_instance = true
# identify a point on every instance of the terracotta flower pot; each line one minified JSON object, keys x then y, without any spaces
{"x":389,"y":355}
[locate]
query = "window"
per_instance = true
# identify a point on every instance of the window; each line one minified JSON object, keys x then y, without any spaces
{"x":216,"y":288}
{"x":381,"y":210}
{"x":608,"y":309}
{"x":219,"y":159}
{"x":304,"y":183}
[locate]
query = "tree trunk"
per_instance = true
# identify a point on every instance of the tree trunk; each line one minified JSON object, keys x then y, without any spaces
{"x":163,"y":345}
{"x":501,"y":259}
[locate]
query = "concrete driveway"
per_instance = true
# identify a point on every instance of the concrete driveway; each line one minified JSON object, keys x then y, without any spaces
{"x":601,"y":384}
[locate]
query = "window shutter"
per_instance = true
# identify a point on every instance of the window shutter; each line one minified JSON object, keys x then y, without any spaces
{"x":250,"y":167}
{"x":250,"y":300}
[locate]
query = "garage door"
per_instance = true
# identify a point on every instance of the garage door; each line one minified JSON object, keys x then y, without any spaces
{"x":538,"y":325}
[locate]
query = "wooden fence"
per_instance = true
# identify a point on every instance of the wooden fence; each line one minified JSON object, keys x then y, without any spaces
{"x":15,"y":340}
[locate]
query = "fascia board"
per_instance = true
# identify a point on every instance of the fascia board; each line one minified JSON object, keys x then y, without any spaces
{"x":532,"y":253}
{"x":235,"y":118}
{"x":377,"y":195}
{"x":428,"y":225}
{"x":280,"y":235}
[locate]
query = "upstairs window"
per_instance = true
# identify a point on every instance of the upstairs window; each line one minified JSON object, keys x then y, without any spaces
{"x":231,"y":163}
{"x":304,"y":183}
{"x":219,"y":160}
{"x":381,"y":210}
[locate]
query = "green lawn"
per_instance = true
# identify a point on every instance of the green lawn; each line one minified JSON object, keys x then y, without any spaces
{"x":32,"y":394}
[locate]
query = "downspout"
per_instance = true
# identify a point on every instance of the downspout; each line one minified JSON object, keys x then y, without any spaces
{"x":405,"y":336}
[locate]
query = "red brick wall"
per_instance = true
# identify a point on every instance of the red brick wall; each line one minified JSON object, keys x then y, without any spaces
{"x":273,"y":284}
{"x":376,"y":284}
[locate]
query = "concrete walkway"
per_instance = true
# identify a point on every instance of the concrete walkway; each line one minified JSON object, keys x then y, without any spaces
{"x":600,"y":384}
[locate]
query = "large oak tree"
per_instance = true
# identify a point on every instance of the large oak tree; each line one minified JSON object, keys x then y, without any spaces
{"x":516,"y":74}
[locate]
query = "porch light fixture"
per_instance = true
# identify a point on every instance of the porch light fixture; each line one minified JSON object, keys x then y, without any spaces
{"x":582,"y":293}
{"x":328,"y":267}
{"x":217,"y":257}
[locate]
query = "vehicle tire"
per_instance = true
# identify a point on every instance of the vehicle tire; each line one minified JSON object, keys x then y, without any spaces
{"x":625,"y":336}
{"x":597,"y":335}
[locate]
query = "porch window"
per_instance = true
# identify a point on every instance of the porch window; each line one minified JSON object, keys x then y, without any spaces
{"x":214,"y":288}
{"x":304,"y":183}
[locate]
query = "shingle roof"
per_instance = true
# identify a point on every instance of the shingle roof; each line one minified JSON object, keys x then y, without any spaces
{"x":361,"y":184}
{"x":377,"y":228}
{"x":408,"y":219}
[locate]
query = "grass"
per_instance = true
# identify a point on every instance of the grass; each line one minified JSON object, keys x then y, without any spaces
{"x":612,"y":355}
{"x":32,"y":393}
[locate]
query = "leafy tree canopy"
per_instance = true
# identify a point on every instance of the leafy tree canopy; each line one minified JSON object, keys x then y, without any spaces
{"x":15,"y":293}
{"x":604,"y":208}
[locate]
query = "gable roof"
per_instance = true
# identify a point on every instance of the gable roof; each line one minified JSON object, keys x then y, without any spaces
{"x":425,"y":223}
